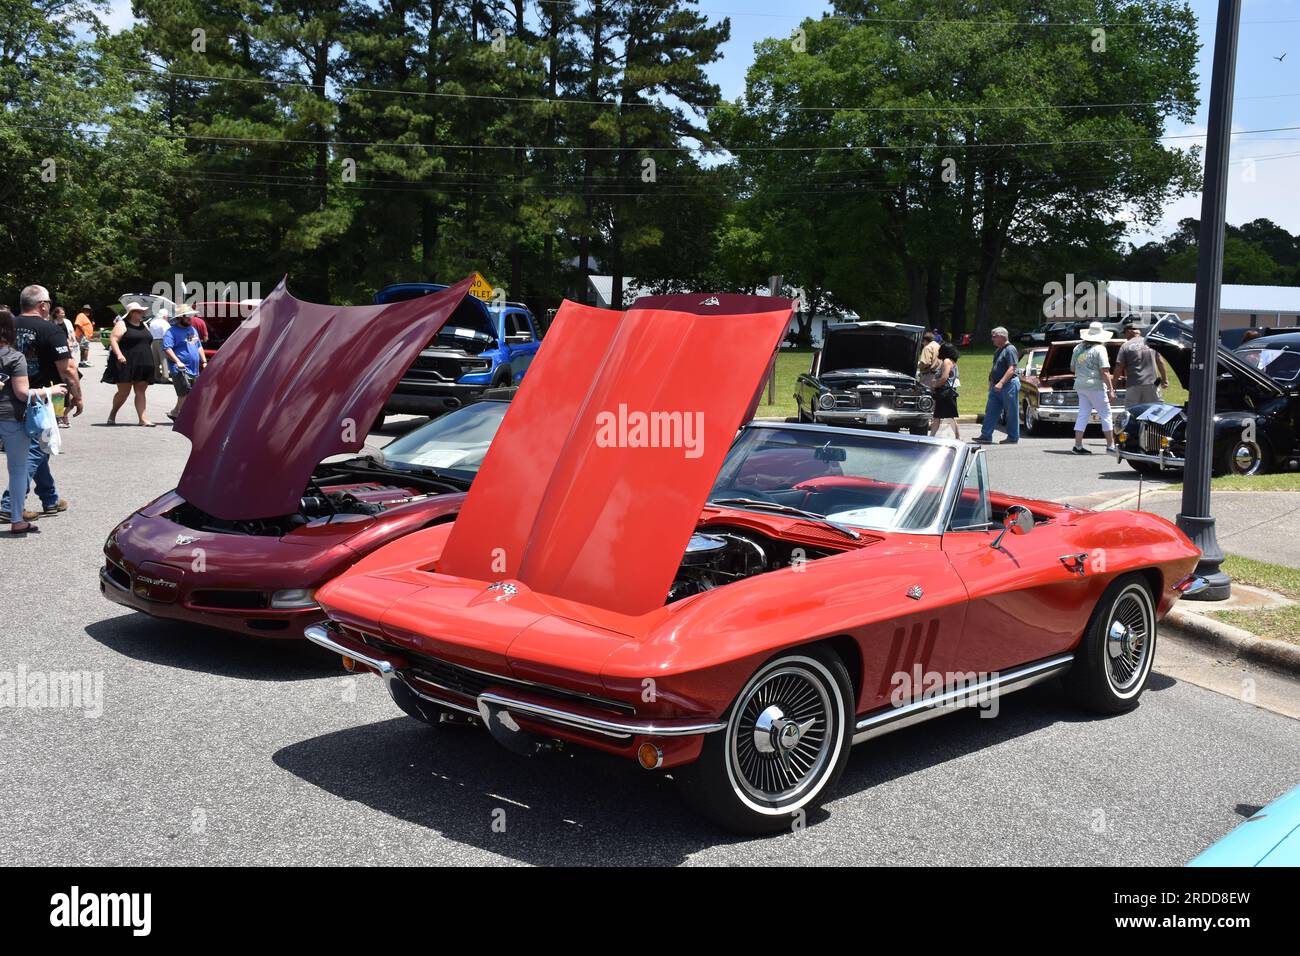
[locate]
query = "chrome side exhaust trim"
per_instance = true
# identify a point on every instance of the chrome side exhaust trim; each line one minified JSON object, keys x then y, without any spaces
{"x":890,"y":719}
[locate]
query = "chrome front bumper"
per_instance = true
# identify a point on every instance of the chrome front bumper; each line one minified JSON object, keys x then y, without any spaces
{"x":1170,"y":462}
{"x":496,"y":700}
{"x":1068,"y":413}
{"x":888,"y":416}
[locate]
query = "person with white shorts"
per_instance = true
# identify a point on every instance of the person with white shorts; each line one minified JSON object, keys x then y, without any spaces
{"x":1092,"y":383}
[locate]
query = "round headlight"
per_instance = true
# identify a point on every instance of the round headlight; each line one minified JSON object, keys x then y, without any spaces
{"x":826,"y":401}
{"x":926,"y":403}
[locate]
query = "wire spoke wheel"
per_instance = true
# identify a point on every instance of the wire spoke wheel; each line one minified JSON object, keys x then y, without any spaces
{"x":1129,"y":639}
{"x":781,"y":735}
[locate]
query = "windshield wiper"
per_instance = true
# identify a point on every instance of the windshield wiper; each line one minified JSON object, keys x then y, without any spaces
{"x":787,"y":510}
{"x":426,"y":472}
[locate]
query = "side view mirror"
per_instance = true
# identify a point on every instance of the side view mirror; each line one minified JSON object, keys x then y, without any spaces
{"x":1017,"y":520}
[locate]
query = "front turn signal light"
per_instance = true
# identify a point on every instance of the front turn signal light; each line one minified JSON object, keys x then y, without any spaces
{"x":649,"y":756}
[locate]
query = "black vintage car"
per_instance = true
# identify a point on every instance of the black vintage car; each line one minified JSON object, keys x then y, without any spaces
{"x":865,"y":374}
{"x":1256,"y":407}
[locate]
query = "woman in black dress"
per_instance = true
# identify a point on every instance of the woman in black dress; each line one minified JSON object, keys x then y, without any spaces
{"x":945,"y":391}
{"x":130,"y":362}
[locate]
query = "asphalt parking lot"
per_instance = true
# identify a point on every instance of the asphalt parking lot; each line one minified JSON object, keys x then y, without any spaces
{"x":216,"y":749}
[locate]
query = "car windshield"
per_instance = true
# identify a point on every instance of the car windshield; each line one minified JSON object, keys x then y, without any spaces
{"x":1282,"y":365}
{"x":453,"y":444}
{"x":866,"y":481}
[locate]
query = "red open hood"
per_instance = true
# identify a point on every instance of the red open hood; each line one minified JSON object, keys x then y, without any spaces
{"x":574,"y":499}
{"x":296,"y":383}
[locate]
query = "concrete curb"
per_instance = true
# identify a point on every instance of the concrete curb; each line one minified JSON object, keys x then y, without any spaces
{"x":1235,"y":641}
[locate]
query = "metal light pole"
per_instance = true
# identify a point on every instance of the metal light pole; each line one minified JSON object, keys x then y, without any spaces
{"x":1195,"y":519}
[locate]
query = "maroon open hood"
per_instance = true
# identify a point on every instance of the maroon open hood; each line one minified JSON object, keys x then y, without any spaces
{"x":296,"y":383}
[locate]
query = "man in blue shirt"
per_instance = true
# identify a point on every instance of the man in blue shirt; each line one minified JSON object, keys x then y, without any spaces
{"x":1004,"y":391}
{"x":185,"y":358}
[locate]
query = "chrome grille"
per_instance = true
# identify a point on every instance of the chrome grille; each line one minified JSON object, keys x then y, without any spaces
{"x":876,"y":396}
{"x":1149,"y":435}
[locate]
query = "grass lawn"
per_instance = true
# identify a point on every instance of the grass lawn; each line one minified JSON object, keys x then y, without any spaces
{"x":1283,"y":481}
{"x":1283,"y":623}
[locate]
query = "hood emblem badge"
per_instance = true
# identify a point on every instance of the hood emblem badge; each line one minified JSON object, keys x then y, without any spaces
{"x":711,"y":300}
{"x":184,"y":539}
{"x":507,"y":590}
{"x":915,"y":592}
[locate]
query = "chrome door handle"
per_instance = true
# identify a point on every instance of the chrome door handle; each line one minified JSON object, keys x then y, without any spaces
{"x":1078,"y":563}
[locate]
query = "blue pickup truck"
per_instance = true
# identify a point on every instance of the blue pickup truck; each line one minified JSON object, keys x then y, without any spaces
{"x":480,"y":347}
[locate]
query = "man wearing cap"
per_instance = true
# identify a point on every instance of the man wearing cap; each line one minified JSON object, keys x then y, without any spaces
{"x":184,"y":355}
{"x":1004,"y":391}
{"x":158,"y":326}
{"x":49,"y":361}
{"x":1139,"y":367}
{"x":1091,"y":367}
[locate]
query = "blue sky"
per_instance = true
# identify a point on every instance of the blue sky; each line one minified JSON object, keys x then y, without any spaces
{"x":1270,"y":186}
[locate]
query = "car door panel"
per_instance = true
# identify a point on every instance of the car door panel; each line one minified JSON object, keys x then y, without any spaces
{"x":1025,"y":603}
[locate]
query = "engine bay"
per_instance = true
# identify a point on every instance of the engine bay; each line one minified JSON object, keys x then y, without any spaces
{"x":721,"y":554}
{"x":330,"y":493}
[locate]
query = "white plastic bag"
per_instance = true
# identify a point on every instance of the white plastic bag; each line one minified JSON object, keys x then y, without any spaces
{"x":41,"y":423}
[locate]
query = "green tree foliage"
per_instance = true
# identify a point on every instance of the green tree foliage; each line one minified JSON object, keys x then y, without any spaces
{"x":1257,"y":253}
{"x":924,"y":143}
{"x":932,"y":159}
{"x":350,"y":144}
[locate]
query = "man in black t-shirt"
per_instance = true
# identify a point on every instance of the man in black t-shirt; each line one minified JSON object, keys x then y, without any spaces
{"x":49,"y":361}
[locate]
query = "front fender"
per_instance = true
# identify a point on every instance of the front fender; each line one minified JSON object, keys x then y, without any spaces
{"x":705,"y":648}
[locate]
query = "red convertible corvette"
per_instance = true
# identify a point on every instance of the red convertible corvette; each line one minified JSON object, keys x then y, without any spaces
{"x":738,"y":609}
{"x":260,"y":519}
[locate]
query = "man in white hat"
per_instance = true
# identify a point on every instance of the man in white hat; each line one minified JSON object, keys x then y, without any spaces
{"x":1092,"y":383}
{"x":158,"y":326}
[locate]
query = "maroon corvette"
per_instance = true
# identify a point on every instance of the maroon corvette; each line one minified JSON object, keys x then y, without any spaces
{"x":260,"y":519}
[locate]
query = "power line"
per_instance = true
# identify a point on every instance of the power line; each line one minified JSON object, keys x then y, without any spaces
{"x":566,"y":101}
{"x":538,"y":147}
{"x":164,"y":72}
{"x":919,"y":21}
{"x":669,"y":189}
